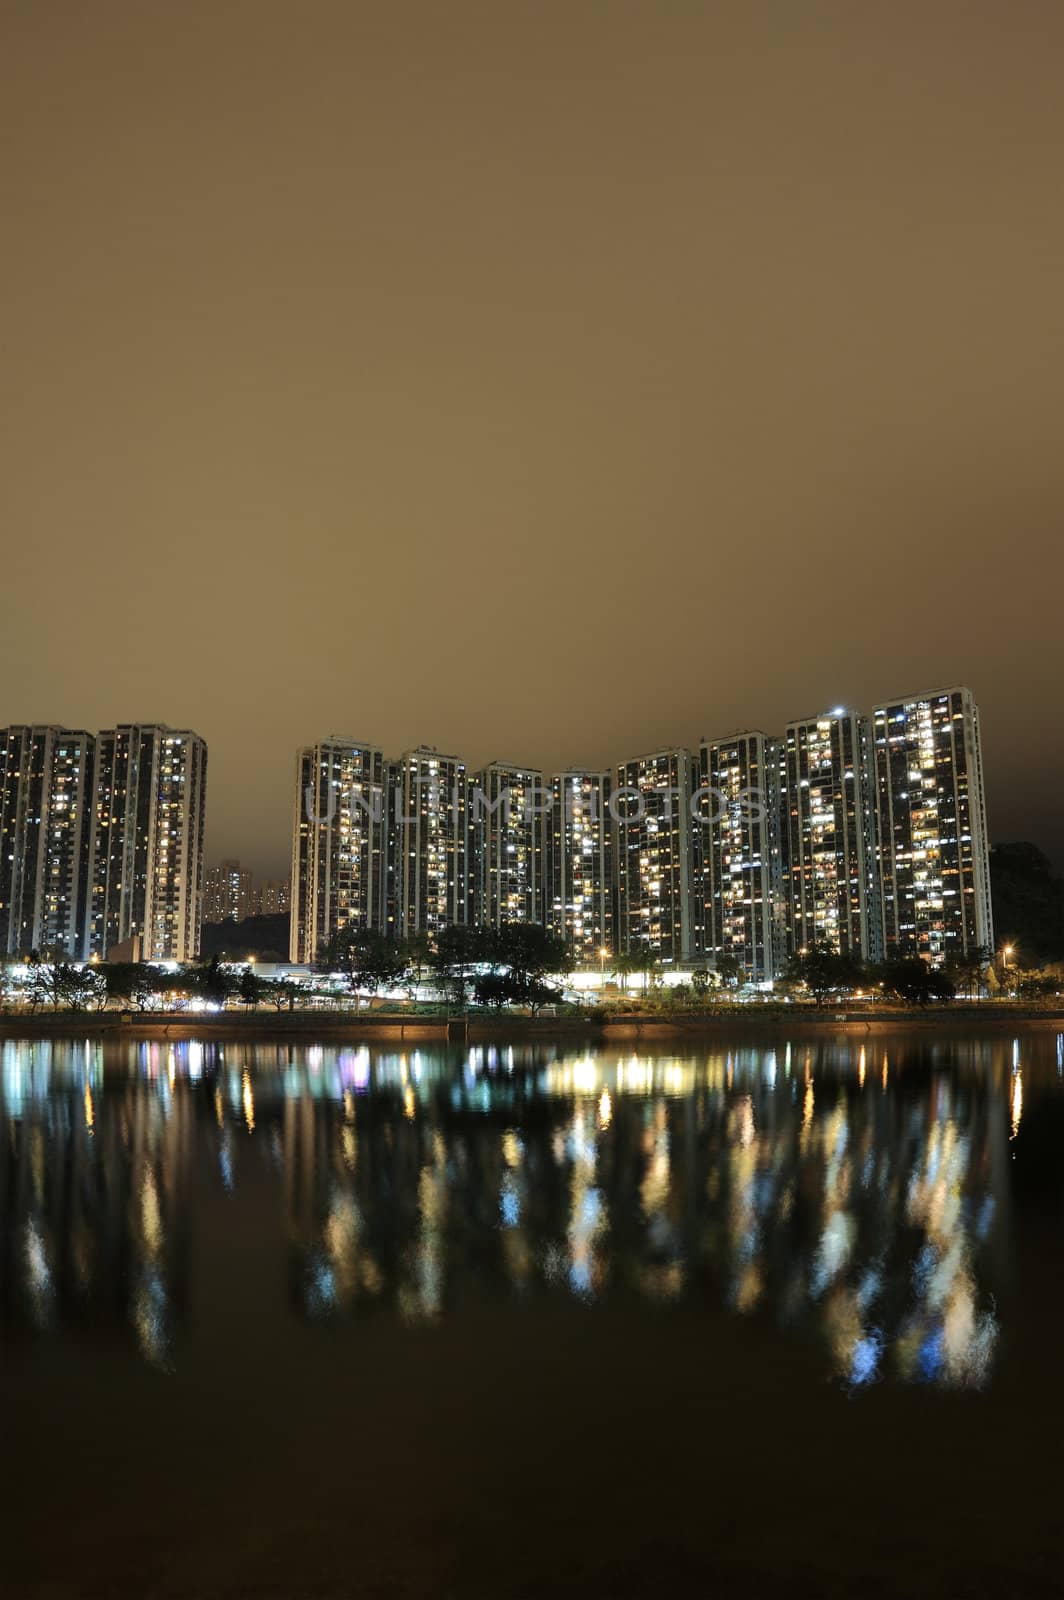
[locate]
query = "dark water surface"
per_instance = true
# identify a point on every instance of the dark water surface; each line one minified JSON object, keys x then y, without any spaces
{"x":763,"y":1319}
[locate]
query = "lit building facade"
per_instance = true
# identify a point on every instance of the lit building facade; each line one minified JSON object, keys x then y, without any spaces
{"x":581,"y":864}
{"x":273,"y":897}
{"x":508,"y":817}
{"x":831,"y":867}
{"x":227,"y":893}
{"x":868,"y":835}
{"x":656,"y":861}
{"x":931,"y":816}
{"x":339,"y":842}
{"x":742,"y":879}
{"x":46,"y":809}
{"x":151,"y":797}
{"x":431,"y":884}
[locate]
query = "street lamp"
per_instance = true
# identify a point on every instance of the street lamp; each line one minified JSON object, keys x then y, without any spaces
{"x":603,"y":953}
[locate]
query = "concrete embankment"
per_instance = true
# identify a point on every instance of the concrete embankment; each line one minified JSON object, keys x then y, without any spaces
{"x":640,"y":1028}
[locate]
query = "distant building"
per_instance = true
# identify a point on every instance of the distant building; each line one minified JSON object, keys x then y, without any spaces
{"x":934,"y":850}
{"x":228,"y":893}
{"x":581,"y":864}
{"x":273,"y":898}
{"x":508,"y":820}
{"x":742,"y":878}
{"x":655,"y":857}
{"x":832,"y":881}
{"x":431,"y":842}
{"x":151,"y":788}
{"x":46,"y":813}
{"x":339,"y":844}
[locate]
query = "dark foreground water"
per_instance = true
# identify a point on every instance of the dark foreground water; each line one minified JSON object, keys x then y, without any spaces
{"x":780,"y":1319}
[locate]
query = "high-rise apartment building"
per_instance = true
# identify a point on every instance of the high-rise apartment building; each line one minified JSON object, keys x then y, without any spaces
{"x":46,"y":809}
{"x":831,"y":867}
{"x":656,"y":859}
{"x":228,"y":893}
{"x":742,"y":879}
{"x":273,"y":897}
{"x":868,"y":836}
{"x":508,"y":808}
{"x":431,"y":842}
{"x":339,"y":843}
{"x":151,"y":787}
{"x":581,"y":863}
{"x":580,"y":872}
{"x":931,"y":813}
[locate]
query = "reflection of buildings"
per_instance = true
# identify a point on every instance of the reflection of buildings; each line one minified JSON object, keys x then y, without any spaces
{"x":793,"y":1181}
{"x":93,"y":1184}
{"x":847,"y":1191}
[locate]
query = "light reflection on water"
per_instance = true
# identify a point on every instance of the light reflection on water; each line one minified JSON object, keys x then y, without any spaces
{"x":856,"y":1195}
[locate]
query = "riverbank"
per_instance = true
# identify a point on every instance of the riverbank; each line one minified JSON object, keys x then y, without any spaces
{"x":343,"y":1027}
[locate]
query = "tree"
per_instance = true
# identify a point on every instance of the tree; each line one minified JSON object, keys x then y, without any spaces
{"x":1039,"y":986}
{"x":700,"y":983}
{"x":823,"y":970}
{"x":417,"y":954}
{"x":527,"y":950}
{"x":209,"y":980}
{"x":282,"y":992}
{"x":497,"y":989}
{"x":623,"y":965}
{"x":494,"y":989}
{"x":650,"y":966}
{"x":913,"y":981}
{"x":729,"y":969}
{"x":967,"y":972}
{"x":456,"y":950}
{"x":58,"y":983}
{"x":252,"y":987}
{"x":366,"y":958}
{"x":534,"y":992}
{"x":130,"y":983}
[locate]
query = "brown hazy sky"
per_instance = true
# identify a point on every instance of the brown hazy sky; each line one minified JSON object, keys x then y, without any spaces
{"x":542,"y":381}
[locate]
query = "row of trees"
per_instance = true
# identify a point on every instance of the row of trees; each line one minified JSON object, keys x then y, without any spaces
{"x":132,"y":985}
{"x":513,"y":964}
{"x":505,"y":965}
{"x":824,"y":972}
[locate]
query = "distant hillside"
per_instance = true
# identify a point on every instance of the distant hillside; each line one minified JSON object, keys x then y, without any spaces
{"x":265,"y":938}
{"x":1028,"y":904}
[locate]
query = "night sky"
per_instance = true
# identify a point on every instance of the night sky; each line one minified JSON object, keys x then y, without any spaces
{"x":549,"y":382}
